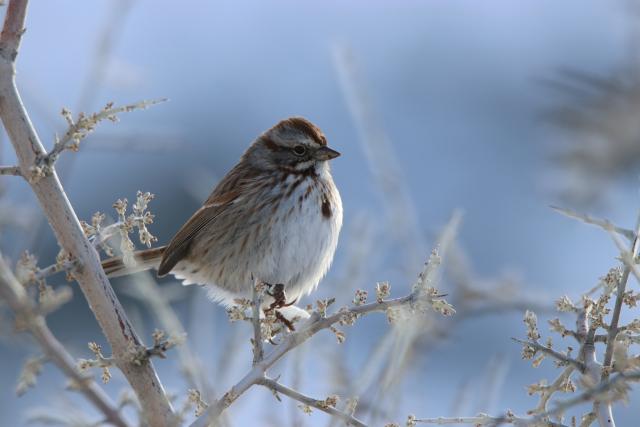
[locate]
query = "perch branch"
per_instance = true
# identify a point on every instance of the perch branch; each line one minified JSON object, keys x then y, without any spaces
{"x":313,"y":325}
{"x":422,"y":296}
{"x":258,"y":351}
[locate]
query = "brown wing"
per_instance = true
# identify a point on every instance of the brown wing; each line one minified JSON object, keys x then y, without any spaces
{"x":179,"y":246}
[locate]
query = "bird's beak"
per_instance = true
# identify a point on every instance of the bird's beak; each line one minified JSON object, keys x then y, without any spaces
{"x":326,"y":153}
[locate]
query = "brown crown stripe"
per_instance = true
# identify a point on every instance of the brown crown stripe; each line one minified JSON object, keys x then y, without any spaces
{"x":306,"y":127}
{"x":268,"y":142}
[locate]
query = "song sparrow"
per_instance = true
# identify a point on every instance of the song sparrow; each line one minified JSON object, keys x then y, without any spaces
{"x":275,"y":216}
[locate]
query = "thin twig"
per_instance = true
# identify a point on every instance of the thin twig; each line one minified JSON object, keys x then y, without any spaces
{"x":627,"y":257}
{"x":10,"y":170}
{"x":85,"y":125}
{"x":551,"y":352}
{"x":484,"y":420}
{"x":602,"y":223}
{"x":309,"y":401}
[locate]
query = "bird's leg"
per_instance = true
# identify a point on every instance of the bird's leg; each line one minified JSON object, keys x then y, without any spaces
{"x":279,"y":296}
{"x":279,"y":301}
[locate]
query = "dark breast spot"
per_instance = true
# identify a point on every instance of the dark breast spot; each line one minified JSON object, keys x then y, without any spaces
{"x":326,"y":207}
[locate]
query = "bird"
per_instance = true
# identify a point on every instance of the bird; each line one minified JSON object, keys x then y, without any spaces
{"x":274,"y":217}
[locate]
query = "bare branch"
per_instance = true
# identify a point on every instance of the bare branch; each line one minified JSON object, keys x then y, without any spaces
{"x":627,"y":257}
{"x":97,"y":236}
{"x":615,"y":317}
{"x":322,"y":405}
{"x":18,"y":300}
{"x":563,"y":358}
{"x":149,"y":293}
{"x":138,"y":355}
{"x":421,"y":297}
{"x":10,"y":170}
{"x":602,"y":223}
{"x":13,"y":30}
{"x":602,"y":409}
{"x":484,"y":420}
{"x":84,"y":125}
{"x":256,"y":292}
{"x":64,"y":222}
{"x":590,"y":394}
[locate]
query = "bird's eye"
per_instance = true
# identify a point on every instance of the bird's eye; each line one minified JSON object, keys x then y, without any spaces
{"x":299,"y":150}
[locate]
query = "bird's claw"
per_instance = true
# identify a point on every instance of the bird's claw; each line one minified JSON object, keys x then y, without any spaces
{"x":279,"y":301}
{"x":279,"y":296}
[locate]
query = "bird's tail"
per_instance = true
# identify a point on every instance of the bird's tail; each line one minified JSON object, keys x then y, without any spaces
{"x":145,"y":260}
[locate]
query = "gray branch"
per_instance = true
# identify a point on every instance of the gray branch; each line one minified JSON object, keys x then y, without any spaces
{"x":10,"y":170}
{"x":321,"y":405}
{"x":15,"y":296}
{"x":550,"y":352}
{"x":94,"y":284}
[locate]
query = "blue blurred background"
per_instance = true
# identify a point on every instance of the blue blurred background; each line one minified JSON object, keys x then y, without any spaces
{"x":471,"y":98}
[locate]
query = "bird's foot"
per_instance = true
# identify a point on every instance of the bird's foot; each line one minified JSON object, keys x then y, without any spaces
{"x":279,"y":301}
{"x":279,"y":296}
